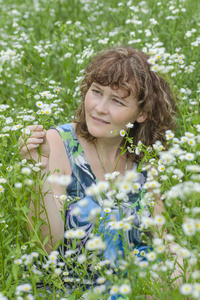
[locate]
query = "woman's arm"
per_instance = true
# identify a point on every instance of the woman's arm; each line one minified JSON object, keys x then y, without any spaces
{"x":48,"y":207}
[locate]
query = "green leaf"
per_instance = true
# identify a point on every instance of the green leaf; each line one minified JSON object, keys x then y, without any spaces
{"x":39,"y":250}
{"x":56,"y":284}
{"x":37,"y":226}
{"x":15,"y":271}
{"x":26,"y":210}
{"x":58,"y":244}
{"x":45,"y":240}
{"x":9,"y":281}
{"x":74,"y":244}
{"x":23,"y":218}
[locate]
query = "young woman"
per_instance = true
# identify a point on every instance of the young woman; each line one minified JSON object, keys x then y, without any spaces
{"x":118,"y":91}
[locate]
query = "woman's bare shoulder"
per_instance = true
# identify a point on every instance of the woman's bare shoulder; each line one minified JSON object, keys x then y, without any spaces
{"x":73,"y":125}
{"x":58,"y":156}
{"x":54,"y":138}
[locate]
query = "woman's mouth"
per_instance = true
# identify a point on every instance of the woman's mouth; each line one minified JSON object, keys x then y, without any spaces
{"x":99,"y":121}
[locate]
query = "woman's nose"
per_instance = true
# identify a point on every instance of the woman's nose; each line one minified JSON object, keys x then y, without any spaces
{"x":102,"y":106}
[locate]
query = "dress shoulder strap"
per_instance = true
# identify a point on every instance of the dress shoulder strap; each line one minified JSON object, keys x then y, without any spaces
{"x":82,"y":175}
{"x":71,"y":143}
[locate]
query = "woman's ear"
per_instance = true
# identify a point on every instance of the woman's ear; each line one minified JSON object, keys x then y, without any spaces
{"x":142,"y":117}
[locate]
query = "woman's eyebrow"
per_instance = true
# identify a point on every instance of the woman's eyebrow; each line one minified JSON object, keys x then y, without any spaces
{"x":118,"y":96}
{"x":94,"y":84}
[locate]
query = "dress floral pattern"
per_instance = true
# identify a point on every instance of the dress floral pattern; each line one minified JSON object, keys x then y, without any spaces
{"x":82,"y":178}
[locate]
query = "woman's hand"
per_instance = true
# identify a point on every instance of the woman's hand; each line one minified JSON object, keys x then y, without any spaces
{"x":30,"y":142}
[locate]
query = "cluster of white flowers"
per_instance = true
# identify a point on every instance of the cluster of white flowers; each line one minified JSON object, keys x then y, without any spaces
{"x":125,"y":224}
{"x":26,"y":259}
{"x":164,"y":62}
{"x":52,"y":107}
{"x":146,"y":222}
{"x":95,"y":243}
{"x":26,"y":287}
{"x":183,"y":190}
{"x":2,"y":297}
{"x":10,"y":57}
{"x":191,"y":226}
{"x":75,"y":234}
{"x":122,"y":186}
{"x":99,"y":188}
{"x":123,"y":289}
{"x":3,"y":225}
{"x":63,"y":180}
{"x":190,"y":289}
{"x":42,"y":48}
{"x":53,"y":256}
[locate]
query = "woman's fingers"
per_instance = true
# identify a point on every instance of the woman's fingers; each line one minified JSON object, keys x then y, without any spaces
{"x":33,"y":133}
{"x":31,"y":129}
{"x":25,"y":149}
{"x":22,"y":142}
{"x":32,"y":137}
{"x":33,"y":141}
{"x":34,"y":128}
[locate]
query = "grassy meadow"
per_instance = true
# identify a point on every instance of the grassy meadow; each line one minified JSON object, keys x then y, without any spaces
{"x":44,"y":47}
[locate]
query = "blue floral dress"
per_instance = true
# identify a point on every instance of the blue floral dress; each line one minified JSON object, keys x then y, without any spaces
{"x":82,"y":178}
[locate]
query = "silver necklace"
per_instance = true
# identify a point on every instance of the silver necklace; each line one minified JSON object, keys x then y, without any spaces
{"x":102,"y":162}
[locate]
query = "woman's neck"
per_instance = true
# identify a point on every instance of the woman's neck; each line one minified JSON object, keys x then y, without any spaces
{"x":109,"y":152}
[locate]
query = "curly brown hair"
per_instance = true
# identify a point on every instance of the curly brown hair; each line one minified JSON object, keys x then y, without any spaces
{"x":128,"y":69}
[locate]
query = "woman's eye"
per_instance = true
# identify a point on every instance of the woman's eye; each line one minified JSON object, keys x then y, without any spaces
{"x":118,"y":102}
{"x":96,"y":92}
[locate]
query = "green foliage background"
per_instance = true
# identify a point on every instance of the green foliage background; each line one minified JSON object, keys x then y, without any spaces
{"x":39,"y":34}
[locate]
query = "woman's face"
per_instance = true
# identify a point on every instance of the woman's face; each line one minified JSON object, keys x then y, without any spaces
{"x":106,"y":111}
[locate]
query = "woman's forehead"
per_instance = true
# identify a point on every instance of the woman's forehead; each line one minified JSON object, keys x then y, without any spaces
{"x":123,"y":90}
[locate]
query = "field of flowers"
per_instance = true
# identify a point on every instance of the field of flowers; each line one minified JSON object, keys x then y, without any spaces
{"x":44,"y":48}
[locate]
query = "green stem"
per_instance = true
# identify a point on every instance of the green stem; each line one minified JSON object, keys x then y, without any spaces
{"x":2,"y":260}
{"x":35,"y":233}
{"x":122,"y":151}
{"x":10,"y":186}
